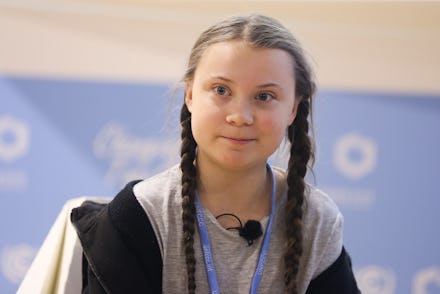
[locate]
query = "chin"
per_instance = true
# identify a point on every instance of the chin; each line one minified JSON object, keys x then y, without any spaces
{"x":237,"y":164}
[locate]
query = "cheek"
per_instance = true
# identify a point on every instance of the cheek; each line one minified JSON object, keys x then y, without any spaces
{"x":204,"y":107}
{"x":204,"y":112}
{"x":275,"y":126}
{"x":204,"y":119}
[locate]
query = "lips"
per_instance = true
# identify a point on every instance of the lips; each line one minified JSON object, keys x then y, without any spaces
{"x":238,"y":140}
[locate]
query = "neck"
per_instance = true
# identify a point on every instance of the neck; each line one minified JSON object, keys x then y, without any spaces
{"x":245,"y":193}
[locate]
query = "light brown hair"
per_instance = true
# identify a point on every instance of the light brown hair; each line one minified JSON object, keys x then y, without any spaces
{"x":257,"y":31}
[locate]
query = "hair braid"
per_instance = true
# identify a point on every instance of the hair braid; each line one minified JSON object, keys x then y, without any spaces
{"x":187,"y":157}
{"x":258,"y":31}
{"x":300,"y":153}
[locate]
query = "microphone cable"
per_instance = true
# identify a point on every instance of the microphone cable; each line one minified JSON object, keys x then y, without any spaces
{"x":250,"y":231}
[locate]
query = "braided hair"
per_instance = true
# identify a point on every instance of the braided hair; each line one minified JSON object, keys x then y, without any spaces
{"x":258,"y":32}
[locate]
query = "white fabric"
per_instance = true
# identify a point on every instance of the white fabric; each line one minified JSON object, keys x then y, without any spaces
{"x":57,"y":265}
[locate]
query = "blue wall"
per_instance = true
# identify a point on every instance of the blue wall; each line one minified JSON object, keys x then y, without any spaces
{"x":378,"y":157}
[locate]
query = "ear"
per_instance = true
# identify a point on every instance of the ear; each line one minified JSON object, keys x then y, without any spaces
{"x":188,"y":96}
{"x":294,"y":110}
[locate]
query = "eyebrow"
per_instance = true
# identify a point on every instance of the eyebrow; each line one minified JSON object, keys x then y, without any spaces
{"x":270,"y":85}
{"x":222,"y":78}
{"x":259,"y":86}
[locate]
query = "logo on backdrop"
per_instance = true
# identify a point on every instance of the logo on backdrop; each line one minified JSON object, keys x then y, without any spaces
{"x":427,"y":281}
{"x":14,"y":138}
{"x":355,"y":156}
{"x":14,"y":144}
{"x":15,"y":261}
{"x":132,"y":157}
{"x":376,"y":280}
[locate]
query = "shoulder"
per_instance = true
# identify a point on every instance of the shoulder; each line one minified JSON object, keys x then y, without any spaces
{"x":155,"y":189}
{"x":320,"y":208}
{"x":323,"y":231}
{"x":159,"y":195}
{"x":159,"y":198}
{"x":119,"y":209}
{"x":121,"y":218}
{"x":120,"y":228}
{"x":338,"y":278}
{"x":322,"y":228}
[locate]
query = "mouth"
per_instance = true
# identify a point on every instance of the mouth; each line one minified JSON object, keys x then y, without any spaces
{"x":238,"y":140}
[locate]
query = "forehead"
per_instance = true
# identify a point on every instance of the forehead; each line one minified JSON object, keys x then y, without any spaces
{"x":238,"y":61}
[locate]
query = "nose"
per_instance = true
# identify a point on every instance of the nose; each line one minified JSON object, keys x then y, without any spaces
{"x":240,"y":113}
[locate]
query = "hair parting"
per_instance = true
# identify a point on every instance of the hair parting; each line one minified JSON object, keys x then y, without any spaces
{"x":259,"y":32}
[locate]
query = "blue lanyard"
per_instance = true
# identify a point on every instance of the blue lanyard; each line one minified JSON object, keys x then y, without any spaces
{"x":206,"y":244}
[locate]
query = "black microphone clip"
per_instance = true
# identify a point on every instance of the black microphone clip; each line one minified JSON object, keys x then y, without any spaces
{"x":251,"y":231}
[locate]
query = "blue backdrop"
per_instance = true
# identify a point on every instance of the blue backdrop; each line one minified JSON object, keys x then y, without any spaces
{"x":378,"y":157}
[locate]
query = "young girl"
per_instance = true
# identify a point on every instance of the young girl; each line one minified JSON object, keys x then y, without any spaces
{"x":224,"y":221}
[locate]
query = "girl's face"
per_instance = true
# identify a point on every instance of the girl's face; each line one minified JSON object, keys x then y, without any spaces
{"x":242,"y":100}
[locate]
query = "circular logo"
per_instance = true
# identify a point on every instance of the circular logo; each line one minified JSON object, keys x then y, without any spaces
{"x":376,"y":280}
{"x":15,"y":261}
{"x":14,"y":138}
{"x":355,"y":155}
{"x":426,"y":278}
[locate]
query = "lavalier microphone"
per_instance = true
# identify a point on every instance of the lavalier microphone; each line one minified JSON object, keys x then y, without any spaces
{"x":250,"y":231}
